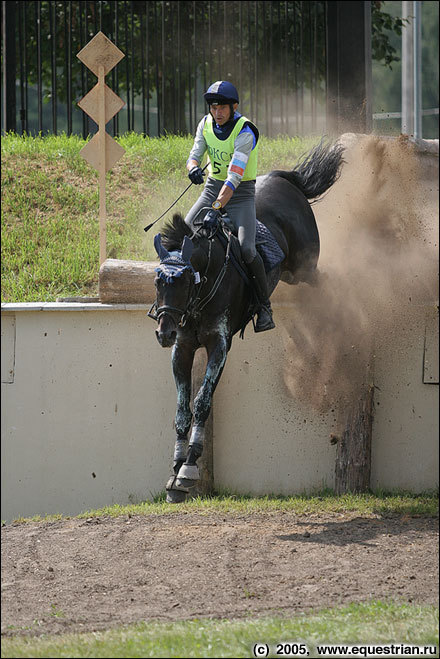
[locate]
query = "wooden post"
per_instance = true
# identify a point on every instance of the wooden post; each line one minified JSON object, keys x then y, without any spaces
{"x":100,"y":55}
{"x":102,"y":168}
{"x":353,"y":457}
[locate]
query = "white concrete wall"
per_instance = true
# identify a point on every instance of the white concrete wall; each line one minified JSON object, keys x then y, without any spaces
{"x":87,"y":390}
{"x":265,"y":441}
{"x":406,"y":405}
{"x":87,"y":412}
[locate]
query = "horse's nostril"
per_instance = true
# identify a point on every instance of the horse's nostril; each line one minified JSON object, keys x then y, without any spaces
{"x":166,"y":339}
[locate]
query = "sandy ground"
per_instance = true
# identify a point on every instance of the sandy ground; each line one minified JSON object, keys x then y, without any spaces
{"x":82,"y":575}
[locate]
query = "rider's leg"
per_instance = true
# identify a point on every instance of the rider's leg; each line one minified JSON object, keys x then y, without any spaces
{"x":241,"y":209}
{"x":259,"y":281}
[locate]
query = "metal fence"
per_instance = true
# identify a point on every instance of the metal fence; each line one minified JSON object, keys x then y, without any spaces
{"x":274,"y":52}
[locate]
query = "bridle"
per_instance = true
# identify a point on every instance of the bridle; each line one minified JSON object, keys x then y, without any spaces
{"x":178,"y":315}
{"x":195,"y":303}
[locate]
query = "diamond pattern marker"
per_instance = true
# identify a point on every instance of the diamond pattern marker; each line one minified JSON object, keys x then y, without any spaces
{"x":113,"y":151}
{"x":100,"y":51}
{"x":100,"y":55}
{"x":89,"y":104}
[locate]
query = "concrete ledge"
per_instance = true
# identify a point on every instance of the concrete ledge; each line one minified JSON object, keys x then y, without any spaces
{"x":71,"y":306}
{"x":278,"y":299}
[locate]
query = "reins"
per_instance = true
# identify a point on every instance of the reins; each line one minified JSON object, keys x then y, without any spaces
{"x":196,"y":304}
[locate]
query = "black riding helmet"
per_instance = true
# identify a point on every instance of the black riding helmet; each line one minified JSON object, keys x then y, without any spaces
{"x":222,"y":92}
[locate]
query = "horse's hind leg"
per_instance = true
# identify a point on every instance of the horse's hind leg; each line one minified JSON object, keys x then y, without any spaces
{"x":182,"y":361}
{"x":189,"y":472}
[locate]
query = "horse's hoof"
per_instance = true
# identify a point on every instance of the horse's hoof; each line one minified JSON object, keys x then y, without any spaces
{"x":176,"y":496}
{"x":185,"y":483}
{"x":188,"y":472}
{"x":174,"y":485}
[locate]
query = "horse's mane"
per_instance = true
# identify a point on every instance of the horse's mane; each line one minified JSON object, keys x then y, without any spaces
{"x":173,"y":233}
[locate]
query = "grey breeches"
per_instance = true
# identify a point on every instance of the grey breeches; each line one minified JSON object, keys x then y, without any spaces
{"x":240,"y":209}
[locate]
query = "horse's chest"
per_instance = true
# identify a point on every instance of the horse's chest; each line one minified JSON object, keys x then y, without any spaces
{"x":210,"y":330}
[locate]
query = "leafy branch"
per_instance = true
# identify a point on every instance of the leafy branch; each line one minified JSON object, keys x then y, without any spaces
{"x":381,"y":23}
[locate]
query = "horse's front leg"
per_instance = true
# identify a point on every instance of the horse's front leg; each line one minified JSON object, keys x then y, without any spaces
{"x":217,"y":350}
{"x":182,"y":361}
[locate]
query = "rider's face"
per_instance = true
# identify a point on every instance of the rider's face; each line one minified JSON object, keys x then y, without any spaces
{"x":221,"y":113}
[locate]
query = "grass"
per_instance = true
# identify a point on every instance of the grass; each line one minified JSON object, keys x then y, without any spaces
{"x":326,"y":502}
{"x":50,"y":232}
{"x":366,"y":623}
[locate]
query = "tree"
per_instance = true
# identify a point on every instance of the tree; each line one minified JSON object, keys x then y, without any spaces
{"x":381,"y":24}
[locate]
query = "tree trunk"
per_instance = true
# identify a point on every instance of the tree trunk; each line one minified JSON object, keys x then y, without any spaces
{"x":127,"y":282}
{"x":353,"y":458}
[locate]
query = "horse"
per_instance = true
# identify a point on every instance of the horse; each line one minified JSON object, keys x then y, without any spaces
{"x":204,"y":297}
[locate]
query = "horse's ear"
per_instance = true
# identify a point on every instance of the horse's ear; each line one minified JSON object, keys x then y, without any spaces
{"x":187,"y":249}
{"x":160,"y":249}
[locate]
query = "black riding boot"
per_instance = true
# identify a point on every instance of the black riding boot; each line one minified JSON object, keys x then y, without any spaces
{"x":259,"y":282}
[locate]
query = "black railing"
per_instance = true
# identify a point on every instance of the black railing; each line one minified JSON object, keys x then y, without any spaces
{"x":274,"y":52}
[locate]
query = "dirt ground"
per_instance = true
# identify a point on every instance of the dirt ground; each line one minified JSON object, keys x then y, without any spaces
{"x":83,"y":575}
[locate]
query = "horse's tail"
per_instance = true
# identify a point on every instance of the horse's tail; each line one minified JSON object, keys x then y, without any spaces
{"x":318,"y":170}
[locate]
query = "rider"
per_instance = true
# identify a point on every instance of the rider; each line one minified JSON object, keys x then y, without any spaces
{"x":232,"y":144}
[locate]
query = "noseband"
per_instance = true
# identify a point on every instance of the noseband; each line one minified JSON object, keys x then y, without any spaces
{"x":171,"y":311}
{"x":179,"y":316}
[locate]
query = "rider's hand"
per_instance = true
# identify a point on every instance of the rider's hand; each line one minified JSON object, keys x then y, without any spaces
{"x":211,"y":219}
{"x":196,"y":175}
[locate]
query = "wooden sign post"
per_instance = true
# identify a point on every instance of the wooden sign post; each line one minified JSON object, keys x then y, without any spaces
{"x":100,"y":55}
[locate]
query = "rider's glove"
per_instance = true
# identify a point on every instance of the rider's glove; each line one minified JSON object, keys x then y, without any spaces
{"x":211,"y":219}
{"x":196,"y":175}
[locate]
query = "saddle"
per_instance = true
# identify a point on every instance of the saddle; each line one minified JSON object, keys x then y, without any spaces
{"x":268,"y":248}
{"x":265,"y":243}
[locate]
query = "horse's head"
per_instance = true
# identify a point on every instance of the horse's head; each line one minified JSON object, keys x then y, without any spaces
{"x":174,"y":283}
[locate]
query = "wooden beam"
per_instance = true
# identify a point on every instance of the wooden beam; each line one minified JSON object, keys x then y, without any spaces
{"x":127,"y":282}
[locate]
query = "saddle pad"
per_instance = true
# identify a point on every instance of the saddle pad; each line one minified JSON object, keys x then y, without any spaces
{"x":267,"y":246}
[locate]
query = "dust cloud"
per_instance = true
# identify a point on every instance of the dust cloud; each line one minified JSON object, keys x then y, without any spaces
{"x":378,"y":230}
